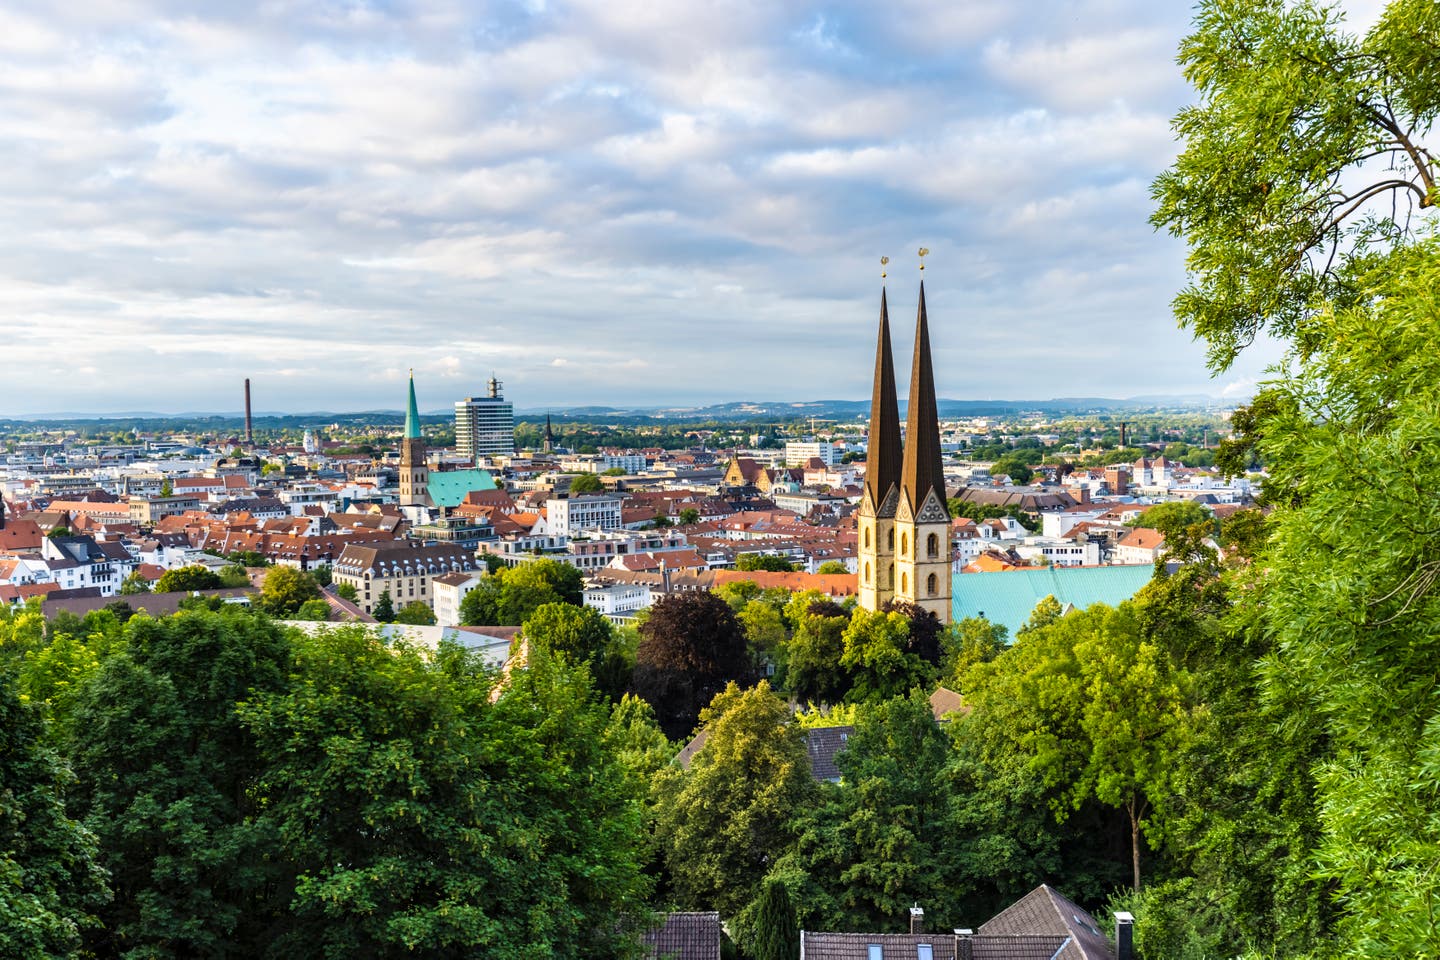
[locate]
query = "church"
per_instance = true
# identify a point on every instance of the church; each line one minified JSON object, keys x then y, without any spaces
{"x":904,"y":520}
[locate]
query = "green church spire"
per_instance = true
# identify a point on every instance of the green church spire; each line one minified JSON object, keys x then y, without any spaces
{"x":412,"y":414}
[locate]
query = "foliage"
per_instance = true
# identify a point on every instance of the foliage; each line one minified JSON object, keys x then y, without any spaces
{"x":587,"y":483}
{"x":1304,"y":154}
{"x":880,"y":841}
{"x":582,"y":635}
{"x":416,"y":612}
{"x":395,"y":745}
{"x":347,"y":591}
{"x":134,"y":583}
{"x":1013,"y":467}
{"x":776,"y":935}
{"x":384,"y":610}
{"x":50,"y":882}
{"x":876,"y":654}
{"x":165,"y":771}
{"x":188,"y":579}
{"x":234,"y":576}
{"x":323,"y":574}
{"x":969,"y":642}
{"x":1174,"y":517}
{"x":747,"y":562}
{"x":285,"y":589}
{"x":724,"y":820}
{"x":832,"y":566}
{"x":1345,"y":598}
{"x":688,"y":516}
{"x":691,"y":646}
{"x":812,"y":664}
{"x":1095,"y":709}
{"x":316,"y":609}
{"x":510,"y":595}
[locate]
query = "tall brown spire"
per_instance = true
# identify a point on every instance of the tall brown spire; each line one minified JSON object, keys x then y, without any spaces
{"x":882,"y":459}
{"x":922,"y":470}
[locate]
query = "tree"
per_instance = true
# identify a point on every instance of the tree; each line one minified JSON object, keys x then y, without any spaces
{"x":285,"y":589}
{"x":876,"y":655}
{"x":53,"y":885}
{"x":586,"y":483}
{"x":968,"y":642}
{"x":1343,"y":596}
{"x":759,"y":561}
{"x":316,"y":609}
{"x":812,"y":656}
{"x":416,"y":612}
{"x":1013,"y":467}
{"x":1095,"y":709}
{"x":832,"y":566}
{"x":347,"y":591}
{"x":322,"y":574}
{"x":691,"y":646}
{"x":165,"y":775}
{"x":134,"y":583}
{"x":882,"y":840}
{"x":167,"y":489}
{"x":421,"y":818}
{"x":1304,"y":157}
{"x":234,"y":576}
{"x":508,"y":596}
{"x":581,"y":635}
{"x":384,"y":610}
{"x":688,"y":516}
{"x":777,"y":936}
{"x":722,"y":822}
{"x":1176,"y":517}
{"x":188,"y":579}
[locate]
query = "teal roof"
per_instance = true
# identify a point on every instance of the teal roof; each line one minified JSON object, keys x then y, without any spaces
{"x":1008,"y":597}
{"x":448,"y":487}
{"x":412,"y":414}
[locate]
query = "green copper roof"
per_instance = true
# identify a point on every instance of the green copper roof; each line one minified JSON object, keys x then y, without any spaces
{"x":448,"y":488}
{"x":412,"y":414}
{"x":1008,"y":597}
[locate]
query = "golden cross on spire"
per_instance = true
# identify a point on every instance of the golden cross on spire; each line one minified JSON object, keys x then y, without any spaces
{"x":924,"y":252}
{"x":883,"y":262}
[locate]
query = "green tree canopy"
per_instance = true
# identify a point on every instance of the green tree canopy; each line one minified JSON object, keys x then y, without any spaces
{"x":587,"y":483}
{"x":416,"y":612}
{"x":722,"y":822}
{"x":760,"y":561}
{"x":52,"y":884}
{"x":188,"y":579}
{"x":285,"y":589}
{"x":1307,"y":147}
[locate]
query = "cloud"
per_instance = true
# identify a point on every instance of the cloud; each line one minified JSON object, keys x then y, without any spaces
{"x":601,"y":200}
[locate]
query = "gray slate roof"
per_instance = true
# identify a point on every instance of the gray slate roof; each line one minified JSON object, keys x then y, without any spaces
{"x":684,"y":936}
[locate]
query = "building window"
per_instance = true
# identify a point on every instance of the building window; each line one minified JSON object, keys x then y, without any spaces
{"x":890,"y":541}
{"x":890,"y":580}
{"x":932,"y":545}
{"x":904,"y":582}
{"x":867,"y":573}
{"x":867,"y":538}
{"x":874,"y":952}
{"x":924,"y":951}
{"x":932,"y":585}
{"x":904,"y":543}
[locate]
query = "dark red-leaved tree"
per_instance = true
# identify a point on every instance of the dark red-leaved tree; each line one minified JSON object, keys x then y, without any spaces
{"x":690,"y":647}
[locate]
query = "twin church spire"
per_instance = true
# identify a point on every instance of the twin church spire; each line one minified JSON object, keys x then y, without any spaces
{"x":904,"y":522}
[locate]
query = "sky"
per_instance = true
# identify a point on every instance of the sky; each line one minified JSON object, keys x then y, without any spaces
{"x":621,"y":202}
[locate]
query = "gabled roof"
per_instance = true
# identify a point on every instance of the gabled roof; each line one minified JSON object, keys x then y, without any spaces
{"x":684,"y":936}
{"x":1045,"y":910}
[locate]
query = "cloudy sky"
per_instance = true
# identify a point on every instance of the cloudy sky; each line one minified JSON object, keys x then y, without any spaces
{"x":602,"y":201}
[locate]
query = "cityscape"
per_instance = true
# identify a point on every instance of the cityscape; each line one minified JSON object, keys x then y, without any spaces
{"x":463,"y":497}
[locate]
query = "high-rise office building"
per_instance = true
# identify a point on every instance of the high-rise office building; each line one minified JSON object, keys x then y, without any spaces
{"x":484,"y":426}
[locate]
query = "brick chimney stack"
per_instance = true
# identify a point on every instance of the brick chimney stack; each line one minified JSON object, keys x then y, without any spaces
{"x":917,"y":920}
{"x":249,"y":430}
